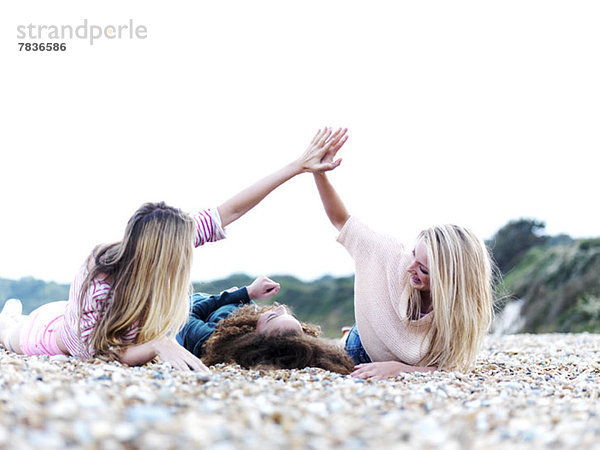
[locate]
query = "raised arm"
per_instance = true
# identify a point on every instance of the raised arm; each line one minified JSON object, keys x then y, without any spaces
{"x":312,"y":160}
{"x":334,"y":207}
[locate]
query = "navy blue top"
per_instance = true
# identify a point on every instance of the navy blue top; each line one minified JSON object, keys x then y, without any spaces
{"x":206,"y":313}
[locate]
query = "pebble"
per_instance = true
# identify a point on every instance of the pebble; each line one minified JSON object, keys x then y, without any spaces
{"x":525,"y":391}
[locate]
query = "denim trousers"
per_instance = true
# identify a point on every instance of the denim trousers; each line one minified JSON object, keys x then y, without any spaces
{"x":354,"y":347}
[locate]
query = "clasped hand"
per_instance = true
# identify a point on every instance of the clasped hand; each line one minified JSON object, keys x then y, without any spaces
{"x":320,"y":154}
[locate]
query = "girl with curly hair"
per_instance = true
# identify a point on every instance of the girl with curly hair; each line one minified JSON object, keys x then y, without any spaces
{"x":230,"y":328}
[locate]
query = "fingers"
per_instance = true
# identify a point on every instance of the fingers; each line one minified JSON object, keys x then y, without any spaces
{"x":270,"y":285}
{"x":267,"y":288}
{"x":367,"y":370}
{"x":324,"y":138}
{"x":271,"y":292}
{"x":316,"y":138}
{"x":326,"y":135}
{"x":362,"y":373}
{"x":179,"y":365}
{"x":339,"y":143}
{"x":181,"y":359}
{"x":190,"y":361}
{"x":195,"y":364}
{"x":339,"y":133}
{"x":319,"y":135}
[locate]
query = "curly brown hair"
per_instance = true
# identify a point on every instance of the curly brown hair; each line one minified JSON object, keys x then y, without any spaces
{"x":235,"y":340}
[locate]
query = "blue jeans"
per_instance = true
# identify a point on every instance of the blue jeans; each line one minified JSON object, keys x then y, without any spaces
{"x":354,"y":347}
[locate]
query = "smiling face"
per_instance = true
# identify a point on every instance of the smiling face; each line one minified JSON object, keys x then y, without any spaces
{"x":277,"y":320}
{"x":419,"y":269}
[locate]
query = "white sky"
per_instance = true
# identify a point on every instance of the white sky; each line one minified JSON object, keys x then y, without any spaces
{"x":472,"y":112}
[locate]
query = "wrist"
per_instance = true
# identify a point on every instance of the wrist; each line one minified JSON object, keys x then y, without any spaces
{"x":156,"y":345}
{"x":250,"y":292}
{"x":296,"y":167}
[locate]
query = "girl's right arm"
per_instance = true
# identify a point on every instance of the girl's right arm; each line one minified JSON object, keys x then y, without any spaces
{"x":167,"y":350}
{"x":334,"y":207}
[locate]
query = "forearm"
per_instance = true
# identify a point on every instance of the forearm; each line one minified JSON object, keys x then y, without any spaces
{"x":334,"y":207}
{"x":244,"y":201}
{"x":203,"y":307}
{"x":136,"y":355}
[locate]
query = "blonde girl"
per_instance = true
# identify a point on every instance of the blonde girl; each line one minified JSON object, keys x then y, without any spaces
{"x":130,"y":298}
{"x":420,"y":310}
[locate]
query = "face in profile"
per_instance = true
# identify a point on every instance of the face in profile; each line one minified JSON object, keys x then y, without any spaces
{"x":276,"y":321}
{"x":419,"y":269}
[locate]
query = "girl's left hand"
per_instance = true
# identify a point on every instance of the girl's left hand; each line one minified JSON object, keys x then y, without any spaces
{"x":262,"y":288}
{"x":380,"y":370}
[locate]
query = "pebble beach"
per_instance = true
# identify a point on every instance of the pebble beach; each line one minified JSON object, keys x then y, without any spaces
{"x":525,"y":391}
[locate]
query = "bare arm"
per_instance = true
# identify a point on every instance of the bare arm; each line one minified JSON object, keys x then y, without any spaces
{"x":244,"y":201}
{"x":334,"y":207}
{"x":387,"y":369}
{"x":313,"y":159}
{"x":166,"y":349}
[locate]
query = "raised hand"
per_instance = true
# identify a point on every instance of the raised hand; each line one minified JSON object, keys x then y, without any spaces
{"x":262,"y":288}
{"x":336,"y":141}
{"x":319,"y":156}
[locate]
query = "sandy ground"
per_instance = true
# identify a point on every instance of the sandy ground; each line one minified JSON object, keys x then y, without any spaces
{"x":526,"y":391}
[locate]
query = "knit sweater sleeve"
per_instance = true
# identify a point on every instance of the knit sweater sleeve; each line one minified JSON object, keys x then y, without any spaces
{"x":380,"y":300}
{"x":365,"y":244}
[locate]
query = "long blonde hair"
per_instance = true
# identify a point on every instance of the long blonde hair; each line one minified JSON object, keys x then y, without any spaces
{"x":149,"y":273}
{"x":460,"y":276}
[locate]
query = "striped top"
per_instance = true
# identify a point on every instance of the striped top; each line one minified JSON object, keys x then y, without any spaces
{"x":99,"y":296}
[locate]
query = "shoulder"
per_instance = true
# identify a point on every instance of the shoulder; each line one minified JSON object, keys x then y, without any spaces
{"x":355,"y":234}
{"x":208,"y":226}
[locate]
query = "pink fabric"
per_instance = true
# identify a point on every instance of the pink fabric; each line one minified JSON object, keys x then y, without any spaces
{"x":75,"y":333}
{"x":38,"y":335}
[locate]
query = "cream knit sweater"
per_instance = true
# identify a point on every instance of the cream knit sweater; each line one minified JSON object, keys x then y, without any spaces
{"x":381,"y":296}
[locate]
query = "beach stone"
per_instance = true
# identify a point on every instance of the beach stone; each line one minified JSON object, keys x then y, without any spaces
{"x":524,"y":391}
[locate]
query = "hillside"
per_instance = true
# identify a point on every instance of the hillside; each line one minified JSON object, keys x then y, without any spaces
{"x":560,"y":287}
{"x":555,"y":278}
{"x":327,"y":301}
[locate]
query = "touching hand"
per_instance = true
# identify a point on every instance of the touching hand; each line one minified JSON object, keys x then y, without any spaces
{"x":262,"y":288}
{"x":170,"y":351}
{"x":336,"y":141}
{"x":379,"y":370}
{"x":318,"y":157}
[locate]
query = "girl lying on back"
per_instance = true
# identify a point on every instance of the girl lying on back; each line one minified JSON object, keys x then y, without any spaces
{"x":230,"y":328}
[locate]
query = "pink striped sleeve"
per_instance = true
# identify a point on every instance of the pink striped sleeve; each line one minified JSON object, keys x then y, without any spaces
{"x":92,"y":305}
{"x":208,"y":227}
{"x":131,"y":333}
